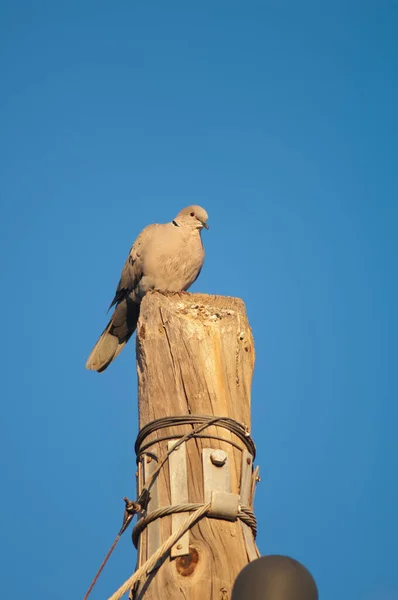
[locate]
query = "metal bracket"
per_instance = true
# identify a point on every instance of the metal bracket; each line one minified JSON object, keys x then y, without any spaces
{"x":224,"y":506}
{"x":255,"y":480}
{"x":217,"y":485}
{"x":139,"y":486}
{"x":179,"y":494}
{"x":153,"y":529}
{"x":216,"y":472}
{"x":246,"y":498}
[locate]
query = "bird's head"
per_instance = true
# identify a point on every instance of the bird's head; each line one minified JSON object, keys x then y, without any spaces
{"x":194,"y":217}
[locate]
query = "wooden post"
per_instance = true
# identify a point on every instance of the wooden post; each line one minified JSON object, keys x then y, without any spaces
{"x":195,"y":356}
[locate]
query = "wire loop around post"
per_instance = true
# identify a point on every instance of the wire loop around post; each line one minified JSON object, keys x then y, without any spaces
{"x":236,"y":428}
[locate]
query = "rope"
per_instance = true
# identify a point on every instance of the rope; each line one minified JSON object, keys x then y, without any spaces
{"x":245,"y":514}
{"x":164,"y":548}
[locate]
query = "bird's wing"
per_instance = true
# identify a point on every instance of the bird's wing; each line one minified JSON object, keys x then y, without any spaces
{"x":132,"y":270}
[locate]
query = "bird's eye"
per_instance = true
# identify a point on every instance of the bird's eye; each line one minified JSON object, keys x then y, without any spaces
{"x":192,"y":214}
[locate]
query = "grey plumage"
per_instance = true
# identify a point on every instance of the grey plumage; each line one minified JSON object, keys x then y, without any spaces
{"x":166,"y":257}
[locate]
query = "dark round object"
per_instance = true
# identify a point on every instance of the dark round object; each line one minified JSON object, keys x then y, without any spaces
{"x":274,"y":577}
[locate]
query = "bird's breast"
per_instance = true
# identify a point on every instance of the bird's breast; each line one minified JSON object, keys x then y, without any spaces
{"x":173,"y":262}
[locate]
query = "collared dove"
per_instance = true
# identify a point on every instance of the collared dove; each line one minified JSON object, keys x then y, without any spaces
{"x":165,"y":257}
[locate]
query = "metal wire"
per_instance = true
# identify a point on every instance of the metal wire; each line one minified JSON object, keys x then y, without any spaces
{"x":202,"y":422}
{"x":239,"y":430}
{"x":245,"y":514}
{"x":161,"y":552}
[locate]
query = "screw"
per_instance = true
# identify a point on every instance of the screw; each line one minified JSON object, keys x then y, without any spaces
{"x":248,"y":460}
{"x":218,"y":458}
{"x":149,"y":459}
{"x":179,"y":546}
{"x":258,"y":478}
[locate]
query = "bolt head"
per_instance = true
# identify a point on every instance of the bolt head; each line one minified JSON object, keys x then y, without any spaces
{"x":218,"y":458}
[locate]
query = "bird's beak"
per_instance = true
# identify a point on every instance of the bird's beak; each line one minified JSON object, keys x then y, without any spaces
{"x":205,"y":225}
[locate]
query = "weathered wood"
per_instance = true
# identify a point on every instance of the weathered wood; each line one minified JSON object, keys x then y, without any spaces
{"x":195,"y":355}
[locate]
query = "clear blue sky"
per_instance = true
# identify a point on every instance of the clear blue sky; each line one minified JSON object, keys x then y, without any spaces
{"x":280,"y":118}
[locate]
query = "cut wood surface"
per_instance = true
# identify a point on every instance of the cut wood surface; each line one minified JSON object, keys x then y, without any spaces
{"x":195,"y":356}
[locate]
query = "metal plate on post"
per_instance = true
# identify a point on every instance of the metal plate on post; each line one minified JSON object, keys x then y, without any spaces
{"x":140,"y":485}
{"x":216,"y":472}
{"x":179,"y":494}
{"x":246,"y":477}
{"x":245,"y":497}
{"x":255,"y":480}
{"x":153,"y":529}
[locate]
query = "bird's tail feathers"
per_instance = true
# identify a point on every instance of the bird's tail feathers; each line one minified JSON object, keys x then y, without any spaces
{"x":113,"y":339}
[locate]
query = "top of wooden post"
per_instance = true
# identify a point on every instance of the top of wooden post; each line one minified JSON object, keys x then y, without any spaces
{"x":195,"y":354}
{"x":197,"y":306}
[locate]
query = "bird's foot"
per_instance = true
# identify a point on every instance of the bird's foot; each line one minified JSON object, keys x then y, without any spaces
{"x":174,"y":293}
